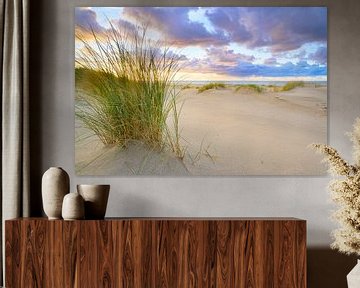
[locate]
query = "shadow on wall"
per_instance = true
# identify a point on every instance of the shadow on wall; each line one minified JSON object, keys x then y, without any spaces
{"x":328,"y":268}
{"x":35,"y":81}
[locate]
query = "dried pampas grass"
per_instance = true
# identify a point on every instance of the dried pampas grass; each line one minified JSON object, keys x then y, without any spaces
{"x":345,"y":192}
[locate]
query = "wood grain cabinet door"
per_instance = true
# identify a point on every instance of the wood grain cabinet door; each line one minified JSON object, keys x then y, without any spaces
{"x":163,"y":252}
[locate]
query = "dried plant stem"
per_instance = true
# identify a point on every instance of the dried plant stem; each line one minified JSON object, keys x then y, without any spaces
{"x":345,"y":192}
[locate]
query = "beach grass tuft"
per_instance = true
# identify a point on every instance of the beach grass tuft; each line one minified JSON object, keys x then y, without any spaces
{"x":187,"y":86}
{"x":251,"y":87}
{"x":212,"y":85}
{"x":292,"y":84}
{"x":127,"y":82}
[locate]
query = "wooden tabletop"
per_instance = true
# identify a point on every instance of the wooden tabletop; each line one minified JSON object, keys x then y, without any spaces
{"x":152,"y":218}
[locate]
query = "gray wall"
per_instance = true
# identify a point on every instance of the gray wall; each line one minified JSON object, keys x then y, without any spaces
{"x":52,"y":126}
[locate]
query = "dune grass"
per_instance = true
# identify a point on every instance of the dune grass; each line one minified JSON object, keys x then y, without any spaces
{"x":187,"y":86}
{"x":292,"y":84}
{"x":252,"y":87}
{"x":128,"y":81}
{"x":211,"y":86}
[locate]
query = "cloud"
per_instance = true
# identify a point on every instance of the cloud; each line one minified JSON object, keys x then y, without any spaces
{"x":176,"y":55}
{"x":86,"y":20}
{"x":174,"y":24}
{"x":225,"y":57}
{"x":320,"y":56}
{"x":288,"y":69}
{"x":271,"y":61}
{"x":229,"y":21}
{"x":126,"y":27}
{"x":300,"y":55}
{"x":86,"y":23}
{"x":276,"y":28}
{"x":247,"y":69}
{"x":226,"y":62}
{"x":218,"y":60}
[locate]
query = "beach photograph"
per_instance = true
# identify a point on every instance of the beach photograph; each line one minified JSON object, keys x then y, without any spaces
{"x":200,"y":91}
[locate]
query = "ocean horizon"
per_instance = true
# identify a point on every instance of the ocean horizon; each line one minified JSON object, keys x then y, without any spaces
{"x":243,"y":82}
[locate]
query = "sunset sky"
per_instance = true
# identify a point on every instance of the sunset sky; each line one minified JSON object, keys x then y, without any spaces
{"x":228,"y":43}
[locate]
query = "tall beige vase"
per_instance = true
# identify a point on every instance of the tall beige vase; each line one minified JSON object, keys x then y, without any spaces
{"x":353,"y":278}
{"x":96,"y":198}
{"x":55,"y":185}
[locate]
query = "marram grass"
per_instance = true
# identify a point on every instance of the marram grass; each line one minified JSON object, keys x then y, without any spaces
{"x":127,"y":82}
{"x":211,"y":86}
{"x":251,"y":87}
{"x":292,"y":84}
{"x":345,"y":192}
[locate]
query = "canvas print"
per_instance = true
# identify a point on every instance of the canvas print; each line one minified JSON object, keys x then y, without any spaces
{"x":203,"y":91}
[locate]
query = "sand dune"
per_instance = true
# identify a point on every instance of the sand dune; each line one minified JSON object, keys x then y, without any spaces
{"x":225,"y":133}
{"x":93,"y":158}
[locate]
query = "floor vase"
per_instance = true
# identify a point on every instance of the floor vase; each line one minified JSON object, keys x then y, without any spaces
{"x":353,"y":278}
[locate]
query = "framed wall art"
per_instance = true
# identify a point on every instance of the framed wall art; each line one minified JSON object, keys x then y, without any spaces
{"x":203,"y":91}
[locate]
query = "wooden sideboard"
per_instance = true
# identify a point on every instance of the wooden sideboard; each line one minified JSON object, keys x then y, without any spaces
{"x":156,"y":252}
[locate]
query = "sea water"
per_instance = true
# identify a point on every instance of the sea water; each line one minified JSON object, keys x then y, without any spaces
{"x":260,"y":83}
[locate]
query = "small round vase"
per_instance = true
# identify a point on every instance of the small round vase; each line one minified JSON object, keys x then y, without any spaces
{"x":73,"y":207}
{"x":96,"y":198}
{"x":55,"y":185}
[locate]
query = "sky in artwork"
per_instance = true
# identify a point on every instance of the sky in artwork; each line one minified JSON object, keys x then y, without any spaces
{"x":228,"y":43}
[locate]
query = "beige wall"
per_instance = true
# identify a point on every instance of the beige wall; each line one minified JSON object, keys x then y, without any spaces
{"x":52,"y":124}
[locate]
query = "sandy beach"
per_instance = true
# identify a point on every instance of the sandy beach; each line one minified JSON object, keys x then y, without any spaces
{"x":224,"y":132}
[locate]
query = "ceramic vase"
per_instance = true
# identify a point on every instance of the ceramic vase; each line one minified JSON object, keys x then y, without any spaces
{"x":55,"y":185}
{"x":96,"y":198}
{"x":353,"y":278}
{"x":73,"y":207}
